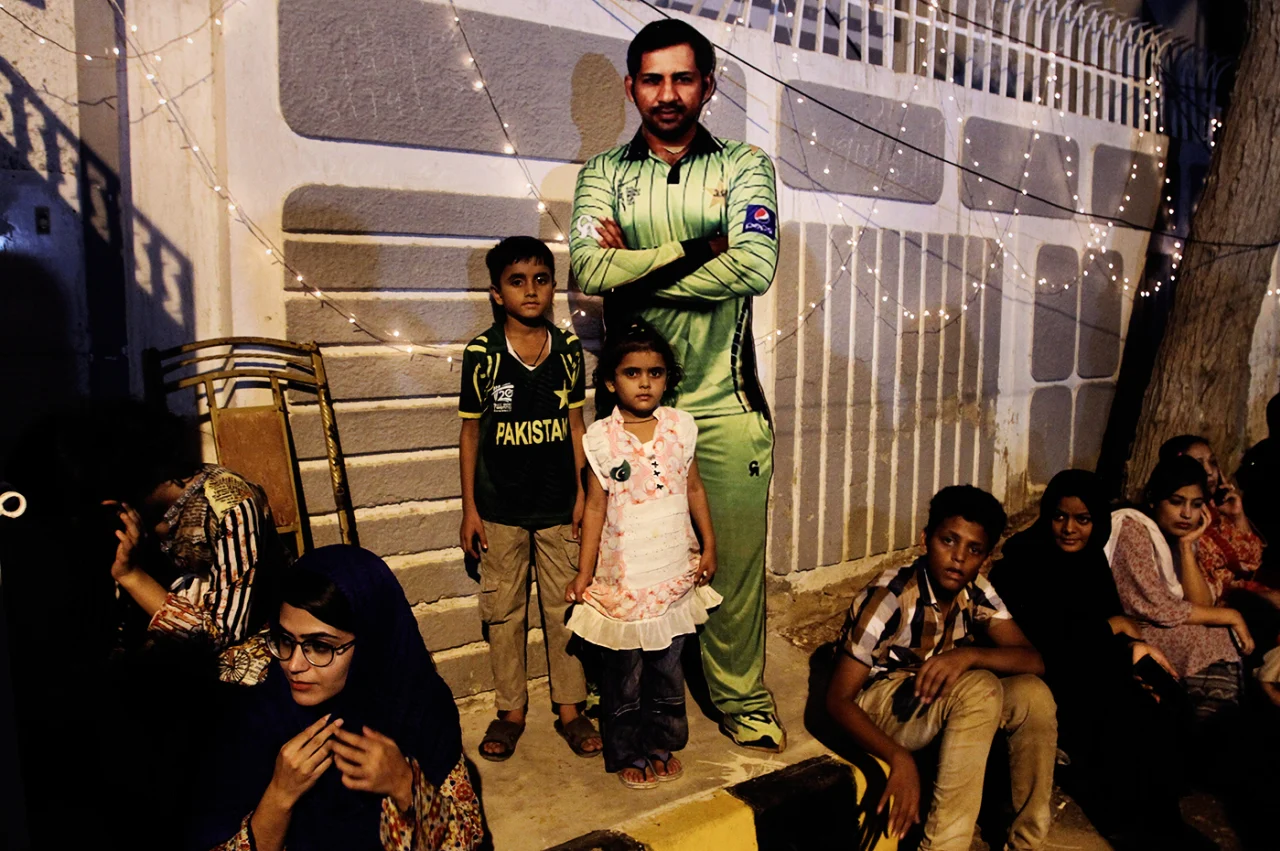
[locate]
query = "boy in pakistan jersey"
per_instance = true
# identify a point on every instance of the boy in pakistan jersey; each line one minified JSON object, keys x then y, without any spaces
{"x":521,"y":457}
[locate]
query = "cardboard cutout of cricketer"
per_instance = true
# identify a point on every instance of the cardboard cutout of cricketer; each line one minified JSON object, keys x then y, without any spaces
{"x":681,"y":228}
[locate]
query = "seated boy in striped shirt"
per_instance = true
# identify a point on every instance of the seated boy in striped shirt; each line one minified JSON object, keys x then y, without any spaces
{"x":910,"y":671}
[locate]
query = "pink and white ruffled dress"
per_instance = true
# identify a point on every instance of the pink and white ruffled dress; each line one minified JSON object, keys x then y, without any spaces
{"x":645,"y":590}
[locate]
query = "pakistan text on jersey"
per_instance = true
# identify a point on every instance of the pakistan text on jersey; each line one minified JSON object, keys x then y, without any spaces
{"x":531,"y":432}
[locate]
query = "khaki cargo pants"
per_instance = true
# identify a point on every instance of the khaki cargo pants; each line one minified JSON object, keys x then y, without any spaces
{"x":504,"y":609}
{"x":979,"y":704}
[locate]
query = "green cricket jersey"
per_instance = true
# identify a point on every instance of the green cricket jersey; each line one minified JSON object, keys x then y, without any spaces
{"x":700,"y":303}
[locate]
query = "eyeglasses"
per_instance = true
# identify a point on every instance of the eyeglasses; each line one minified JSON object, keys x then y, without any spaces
{"x":318,"y":653}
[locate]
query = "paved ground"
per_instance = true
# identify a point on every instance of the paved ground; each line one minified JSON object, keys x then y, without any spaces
{"x":544,"y":795}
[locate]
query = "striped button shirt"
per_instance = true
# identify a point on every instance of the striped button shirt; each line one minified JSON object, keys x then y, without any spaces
{"x":667,"y":214}
{"x":220,"y":539}
{"x":895,"y":623}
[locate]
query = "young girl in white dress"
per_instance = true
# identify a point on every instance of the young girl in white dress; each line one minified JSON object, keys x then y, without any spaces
{"x":648,"y":554}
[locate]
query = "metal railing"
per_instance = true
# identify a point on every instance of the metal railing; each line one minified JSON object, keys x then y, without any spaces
{"x":1076,"y":57}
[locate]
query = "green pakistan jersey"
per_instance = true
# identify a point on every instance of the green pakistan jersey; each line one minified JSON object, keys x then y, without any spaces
{"x":668,"y":214}
{"x":525,"y":473}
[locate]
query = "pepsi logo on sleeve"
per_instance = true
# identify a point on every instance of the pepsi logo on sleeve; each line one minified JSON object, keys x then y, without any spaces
{"x":760,"y":219}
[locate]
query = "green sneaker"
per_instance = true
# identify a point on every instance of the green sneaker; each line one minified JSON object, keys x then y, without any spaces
{"x":757,"y":731}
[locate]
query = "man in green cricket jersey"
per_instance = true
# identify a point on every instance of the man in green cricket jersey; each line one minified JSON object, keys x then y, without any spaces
{"x":682,"y":228}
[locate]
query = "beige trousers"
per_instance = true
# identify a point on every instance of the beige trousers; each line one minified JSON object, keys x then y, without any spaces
{"x":504,"y":608}
{"x":979,"y":704}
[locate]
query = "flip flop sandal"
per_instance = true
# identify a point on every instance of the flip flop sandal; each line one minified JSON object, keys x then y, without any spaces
{"x":576,"y":733}
{"x":505,"y":733}
{"x":643,"y":765}
{"x":657,"y":756}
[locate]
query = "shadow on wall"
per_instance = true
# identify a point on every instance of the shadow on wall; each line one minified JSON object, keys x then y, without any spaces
{"x":597,"y":111}
{"x":63,"y":280}
{"x":64,"y":288}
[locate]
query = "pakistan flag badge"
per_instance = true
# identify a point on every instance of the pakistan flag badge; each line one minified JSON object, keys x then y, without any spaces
{"x":621,"y":473}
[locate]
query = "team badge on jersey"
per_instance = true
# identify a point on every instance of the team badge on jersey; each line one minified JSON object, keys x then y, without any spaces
{"x":503,"y":395}
{"x":761,"y":219}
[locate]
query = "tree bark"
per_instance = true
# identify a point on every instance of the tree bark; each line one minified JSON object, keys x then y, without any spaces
{"x":1200,"y":381}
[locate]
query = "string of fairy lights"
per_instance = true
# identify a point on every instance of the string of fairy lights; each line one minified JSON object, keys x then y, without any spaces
{"x":149,"y":61}
{"x":1097,"y":229}
{"x":942,"y":313}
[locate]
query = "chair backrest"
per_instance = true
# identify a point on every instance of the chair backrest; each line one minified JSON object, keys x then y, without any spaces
{"x":257,"y":440}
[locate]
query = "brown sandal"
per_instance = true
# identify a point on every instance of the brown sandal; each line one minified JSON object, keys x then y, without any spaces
{"x":576,"y":733}
{"x":505,"y":733}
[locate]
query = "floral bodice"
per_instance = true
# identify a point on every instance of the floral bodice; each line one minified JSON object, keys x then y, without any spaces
{"x":648,"y":550}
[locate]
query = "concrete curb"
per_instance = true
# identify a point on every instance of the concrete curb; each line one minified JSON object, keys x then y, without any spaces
{"x":819,"y":804}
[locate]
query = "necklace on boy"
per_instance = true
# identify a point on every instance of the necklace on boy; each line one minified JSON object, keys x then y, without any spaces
{"x":538,"y":356}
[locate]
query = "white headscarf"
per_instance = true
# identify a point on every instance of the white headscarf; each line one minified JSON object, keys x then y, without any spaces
{"x":1164,"y":556}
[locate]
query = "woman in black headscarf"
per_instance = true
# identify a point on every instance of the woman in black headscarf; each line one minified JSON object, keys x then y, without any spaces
{"x":1119,"y":711}
{"x":353,"y":742}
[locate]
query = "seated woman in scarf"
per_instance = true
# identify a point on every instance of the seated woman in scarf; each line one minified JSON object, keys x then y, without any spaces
{"x":1115,"y":720}
{"x":1229,"y":552}
{"x":354,"y":743}
{"x":1153,"y":562}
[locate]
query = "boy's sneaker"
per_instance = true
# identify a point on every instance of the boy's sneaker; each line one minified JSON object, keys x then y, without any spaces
{"x":757,"y":731}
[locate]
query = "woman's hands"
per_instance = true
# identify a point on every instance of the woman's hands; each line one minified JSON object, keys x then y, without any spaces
{"x":125,"y":564}
{"x":301,"y":762}
{"x":1141,"y":651}
{"x":1125,"y":624}
{"x":1189,"y":539}
{"x":1244,"y":639}
{"x":373,"y":763}
{"x":1232,"y":508}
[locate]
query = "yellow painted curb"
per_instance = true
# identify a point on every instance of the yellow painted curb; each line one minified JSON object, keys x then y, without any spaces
{"x":720,"y":822}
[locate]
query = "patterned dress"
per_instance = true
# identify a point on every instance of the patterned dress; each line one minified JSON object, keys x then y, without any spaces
{"x":645,"y":590}
{"x":1228,"y":557}
{"x":441,"y":819}
{"x":1147,"y":595}
{"x":220,"y":539}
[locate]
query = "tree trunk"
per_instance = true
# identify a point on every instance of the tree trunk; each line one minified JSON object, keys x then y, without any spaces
{"x":1200,"y":380}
